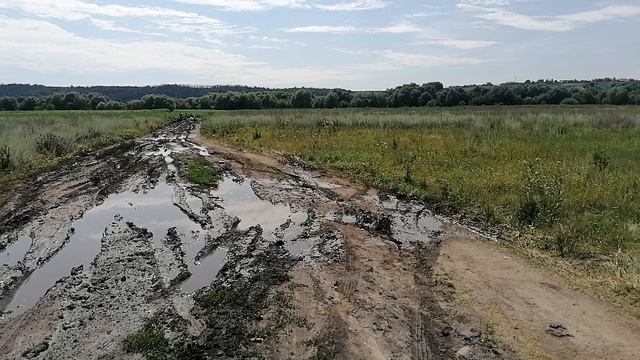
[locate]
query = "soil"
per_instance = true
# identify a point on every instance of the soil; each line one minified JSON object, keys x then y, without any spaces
{"x":115,"y":255}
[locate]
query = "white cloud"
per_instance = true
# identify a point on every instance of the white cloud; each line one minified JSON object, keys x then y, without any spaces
{"x":426,"y":60}
{"x":463,"y":44}
{"x":158,"y":18}
{"x":400,"y":28}
{"x":44,"y":48}
{"x":354,"y":5}
{"x":324,"y":29}
{"x":557,"y":23}
{"x":397,"y":28}
{"x":259,"y":5}
{"x":248,"y":5}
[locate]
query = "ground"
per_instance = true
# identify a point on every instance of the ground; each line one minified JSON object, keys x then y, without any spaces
{"x":118,"y":255}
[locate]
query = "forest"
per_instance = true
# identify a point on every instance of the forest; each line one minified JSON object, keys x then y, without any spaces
{"x":431,"y":94}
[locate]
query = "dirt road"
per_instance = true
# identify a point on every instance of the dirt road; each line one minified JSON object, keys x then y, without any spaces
{"x":116,"y":255}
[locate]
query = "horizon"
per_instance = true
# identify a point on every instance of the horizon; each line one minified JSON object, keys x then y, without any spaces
{"x":361,"y":45}
{"x":523,"y":82}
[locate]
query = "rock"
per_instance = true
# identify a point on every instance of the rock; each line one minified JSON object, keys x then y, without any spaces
{"x":464,"y":352}
{"x":77,"y":270}
{"x":558,"y":330}
{"x":35,"y":351}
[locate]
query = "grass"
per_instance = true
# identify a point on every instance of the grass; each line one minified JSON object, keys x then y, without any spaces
{"x":199,"y":172}
{"x":31,"y":142}
{"x":149,"y":341}
{"x":563,"y":180}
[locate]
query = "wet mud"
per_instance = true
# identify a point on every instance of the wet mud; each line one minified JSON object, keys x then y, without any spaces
{"x":117,"y":250}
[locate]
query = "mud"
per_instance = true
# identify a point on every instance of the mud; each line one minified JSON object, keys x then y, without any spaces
{"x":117,"y":244}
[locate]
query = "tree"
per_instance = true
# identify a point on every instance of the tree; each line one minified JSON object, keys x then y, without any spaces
{"x":617,"y":96}
{"x":29,"y":103}
{"x":332,"y":100}
{"x":8,"y":104}
{"x":301,"y":99}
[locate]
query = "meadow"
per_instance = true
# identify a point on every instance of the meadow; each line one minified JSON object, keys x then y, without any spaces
{"x":37,"y":140}
{"x":564,"y":180}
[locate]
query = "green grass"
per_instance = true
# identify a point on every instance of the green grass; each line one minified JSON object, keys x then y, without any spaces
{"x":38,"y":140}
{"x":562,"y":179}
{"x":149,"y":341}
{"x":199,"y":172}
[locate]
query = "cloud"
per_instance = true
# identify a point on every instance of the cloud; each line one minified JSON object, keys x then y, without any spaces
{"x":324,"y":29}
{"x":462,"y":44}
{"x":44,"y":48}
{"x":397,"y":28}
{"x":248,"y":5}
{"x":426,"y":35}
{"x":158,"y":18}
{"x":427,"y":60}
{"x":556,"y":23}
{"x":354,"y":5}
{"x":260,"y":5}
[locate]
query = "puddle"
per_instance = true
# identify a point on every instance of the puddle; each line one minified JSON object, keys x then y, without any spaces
{"x":153,"y":210}
{"x":208,"y":269}
{"x":15,"y":252}
{"x":241,"y":201}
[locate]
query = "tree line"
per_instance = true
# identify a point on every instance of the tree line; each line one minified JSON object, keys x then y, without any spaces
{"x":432,"y":94}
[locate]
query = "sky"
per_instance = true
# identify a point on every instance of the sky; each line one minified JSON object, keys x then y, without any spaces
{"x":352,"y":44}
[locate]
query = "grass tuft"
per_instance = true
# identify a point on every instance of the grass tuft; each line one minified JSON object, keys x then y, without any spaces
{"x":200,"y":172}
{"x":149,"y":341}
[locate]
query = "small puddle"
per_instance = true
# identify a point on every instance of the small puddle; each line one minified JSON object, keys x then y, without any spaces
{"x":241,"y":201}
{"x":15,"y":252}
{"x":206,"y":271}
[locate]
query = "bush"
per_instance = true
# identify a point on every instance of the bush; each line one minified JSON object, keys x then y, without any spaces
{"x":541,"y":198}
{"x":569,"y":101}
{"x":52,"y":145}
{"x":601,"y":160}
{"x":6,"y":163}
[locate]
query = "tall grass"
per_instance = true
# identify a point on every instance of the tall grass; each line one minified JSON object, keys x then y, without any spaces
{"x":30,"y":140}
{"x":568,"y":177}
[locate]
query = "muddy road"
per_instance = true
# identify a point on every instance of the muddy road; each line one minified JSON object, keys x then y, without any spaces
{"x":116,"y":255}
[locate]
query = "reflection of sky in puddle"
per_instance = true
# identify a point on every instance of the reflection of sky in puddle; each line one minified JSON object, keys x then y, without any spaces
{"x":15,"y":252}
{"x":240,"y":201}
{"x":153,"y":210}
{"x":199,"y":279}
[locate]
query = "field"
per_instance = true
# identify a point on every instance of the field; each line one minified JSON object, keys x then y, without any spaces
{"x":262,"y":234}
{"x":562,"y":179}
{"x":32,"y":141}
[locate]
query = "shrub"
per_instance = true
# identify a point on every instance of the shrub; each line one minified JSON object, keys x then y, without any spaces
{"x":541,"y":198}
{"x":6,"y":162}
{"x":601,"y":160}
{"x":52,"y":145}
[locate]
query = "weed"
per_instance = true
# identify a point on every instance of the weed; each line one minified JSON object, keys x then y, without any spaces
{"x":6,"y":162}
{"x":257,"y":135}
{"x":601,"y":159}
{"x":58,"y":133}
{"x":52,"y":145}
{"x":542,"y":197}
{"x":149,"y":341}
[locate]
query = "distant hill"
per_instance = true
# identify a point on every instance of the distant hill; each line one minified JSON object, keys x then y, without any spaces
{"x":128,"y":93}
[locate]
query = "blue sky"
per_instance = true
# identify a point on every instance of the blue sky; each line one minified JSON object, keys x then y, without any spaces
{"x":354,"y":44}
